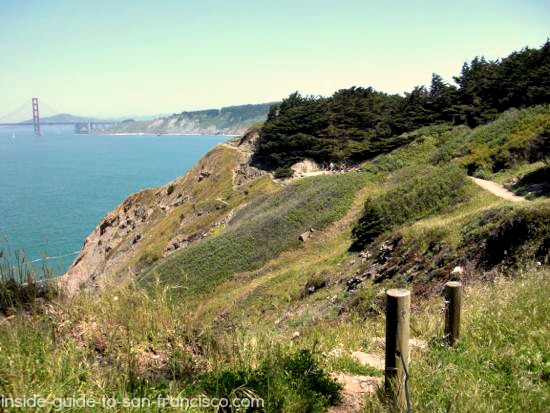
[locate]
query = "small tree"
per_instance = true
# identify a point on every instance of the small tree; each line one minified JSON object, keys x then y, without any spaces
{"x":369,"y":226}
{"x":283,"y":172}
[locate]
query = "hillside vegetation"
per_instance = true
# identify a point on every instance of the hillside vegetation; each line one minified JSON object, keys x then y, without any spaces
{"x":359,"y":123}
{"x":260,"y":231}
{"x":229,"y":283}
{"x":219,"y":316}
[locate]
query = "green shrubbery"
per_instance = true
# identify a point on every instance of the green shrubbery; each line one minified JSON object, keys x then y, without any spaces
{"x":288,"y":383}
{"x":283,"y":173}
{"x":510,"y":235}
{"x":419,"y":193}
{"x":514,"y":137}
{"x":371,"y":224}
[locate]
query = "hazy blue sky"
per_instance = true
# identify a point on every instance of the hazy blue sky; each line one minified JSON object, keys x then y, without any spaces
{"x":120,"y":57}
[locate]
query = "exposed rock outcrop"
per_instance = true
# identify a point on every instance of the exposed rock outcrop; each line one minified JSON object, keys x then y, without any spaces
{"x":305,"y":167}
{"x":154,"y":223}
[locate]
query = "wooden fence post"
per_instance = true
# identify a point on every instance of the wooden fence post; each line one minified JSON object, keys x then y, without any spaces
{"x":398,"y":303}
{"x":453,"y":302}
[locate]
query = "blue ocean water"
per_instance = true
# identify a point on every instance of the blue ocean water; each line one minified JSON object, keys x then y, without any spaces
{"x":54,"y":189}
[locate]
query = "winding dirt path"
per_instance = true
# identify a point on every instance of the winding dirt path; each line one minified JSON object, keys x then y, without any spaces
{"x":498,"y":190}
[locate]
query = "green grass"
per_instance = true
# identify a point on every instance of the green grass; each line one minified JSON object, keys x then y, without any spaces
{"x":22,"y":283}
{"x":222,"y":316}
{"x":287,"y":380}
{"x":260,"y":231}
{"x":502,"y":361}
{"x":417,"y":193}
{"x":429,"y":146}
{"x":348,"y":364}
{"x":514,"y":137}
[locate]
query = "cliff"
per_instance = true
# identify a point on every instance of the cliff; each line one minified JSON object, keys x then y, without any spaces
{"x":154,"y":223}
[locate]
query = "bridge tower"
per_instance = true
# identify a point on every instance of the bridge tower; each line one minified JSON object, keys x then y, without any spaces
{"x":36,"y":116}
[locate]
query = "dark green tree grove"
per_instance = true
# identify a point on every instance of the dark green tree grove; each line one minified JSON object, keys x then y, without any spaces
{"x":359,"y":123}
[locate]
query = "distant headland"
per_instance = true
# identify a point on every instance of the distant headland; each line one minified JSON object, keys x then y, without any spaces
{"x":231,"y":120}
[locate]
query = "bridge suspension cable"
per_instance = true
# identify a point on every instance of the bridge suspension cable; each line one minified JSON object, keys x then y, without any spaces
{"x":25,"y":112}
{"x":21,"y":114}
{"x":47,"y":110}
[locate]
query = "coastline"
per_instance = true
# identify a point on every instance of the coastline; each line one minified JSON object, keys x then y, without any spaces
{"x":167,"y":134}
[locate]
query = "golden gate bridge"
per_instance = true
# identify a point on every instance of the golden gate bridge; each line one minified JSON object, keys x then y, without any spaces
{"x":22,"y":117}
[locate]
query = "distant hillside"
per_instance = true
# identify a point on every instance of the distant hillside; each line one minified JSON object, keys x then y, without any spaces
{"x":231,"y":120}
{"x":65,"y":117}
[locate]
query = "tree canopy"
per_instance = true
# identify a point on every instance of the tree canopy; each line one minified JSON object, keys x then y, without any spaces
{"x":359,"y":123}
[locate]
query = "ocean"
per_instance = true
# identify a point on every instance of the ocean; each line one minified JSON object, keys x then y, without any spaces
{"x":54,"y":189}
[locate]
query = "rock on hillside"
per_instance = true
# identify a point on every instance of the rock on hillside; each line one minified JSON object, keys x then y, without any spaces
{"x":154,"y":223}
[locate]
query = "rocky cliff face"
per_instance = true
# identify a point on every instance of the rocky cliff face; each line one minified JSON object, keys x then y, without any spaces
{"x":155,"y":223}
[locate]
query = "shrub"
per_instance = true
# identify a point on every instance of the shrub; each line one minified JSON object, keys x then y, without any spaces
{"x":419,"y":194}
{"x":283,"y":173}
{"x":508,"y":235}
{"x":422,"y":194}
{"x":514,"y":137}
{"x":369,"y":226}
{"x":287,"y":383}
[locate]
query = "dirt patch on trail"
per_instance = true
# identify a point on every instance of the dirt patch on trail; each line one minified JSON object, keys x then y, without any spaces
{"x":354,"y":390}
{"x":369,"y":359}
{"x":498,"y":190}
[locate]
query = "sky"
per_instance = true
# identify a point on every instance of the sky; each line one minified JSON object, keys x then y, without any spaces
{"x":134,"y":58}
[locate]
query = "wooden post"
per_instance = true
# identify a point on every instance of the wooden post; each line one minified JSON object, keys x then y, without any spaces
{"x":398,"y":303}
{"x":453,"y":302}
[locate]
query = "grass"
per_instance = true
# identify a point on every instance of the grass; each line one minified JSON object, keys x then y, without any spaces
{"x":289,"y":381}
{"x":417,"y":193}
{"x":221,"y":316}
{"x":502,"y":361}
{"x":109,"y":346}
{"x":511,"y":233}
{"x":261,"y":231}
{"x":262,"y":296}
{"x":514,"y":137}
{"x":209,"y":202}
{"x":22,"y":283}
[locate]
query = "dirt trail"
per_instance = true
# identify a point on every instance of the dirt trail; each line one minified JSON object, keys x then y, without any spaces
{"x":354,"y":390}
{"x":498,"y":190}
